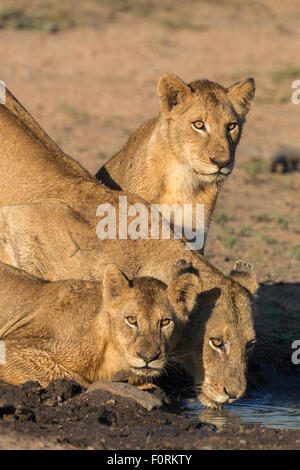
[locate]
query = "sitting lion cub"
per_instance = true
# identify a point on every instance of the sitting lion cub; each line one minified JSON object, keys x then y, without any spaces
{"x":184,"y":154}
{"x":87,"y":331}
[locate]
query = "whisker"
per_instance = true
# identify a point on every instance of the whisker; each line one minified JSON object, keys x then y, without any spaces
{"x":174,"y":368}
{"x":176,"y":355}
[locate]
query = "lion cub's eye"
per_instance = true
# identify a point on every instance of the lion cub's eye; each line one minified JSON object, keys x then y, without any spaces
{"x":131,"y":320}
{"x":218,"y":343}
{"x":199,"y":125}
{"x":165,"y":322}
{"x":231,"y":126}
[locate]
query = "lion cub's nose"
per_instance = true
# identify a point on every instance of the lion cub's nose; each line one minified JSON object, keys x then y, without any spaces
{"x":220,"y":164}
{"x":149,"y":357}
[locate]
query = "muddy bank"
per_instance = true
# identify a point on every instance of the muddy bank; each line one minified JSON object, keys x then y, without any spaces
{"x":64,"y":416}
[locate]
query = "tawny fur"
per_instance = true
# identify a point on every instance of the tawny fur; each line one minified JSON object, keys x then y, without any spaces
{"x":50,"y":230}
{"x":77,"y":330}
{"x":168,"y":161}
{"x":48,"y":227}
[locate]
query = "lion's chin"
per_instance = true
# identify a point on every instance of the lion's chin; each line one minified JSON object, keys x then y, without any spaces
{"x":206,"y":179}
{"x":146,"y":372}
{"x":211,"y":404}
{"x":221,"y":177}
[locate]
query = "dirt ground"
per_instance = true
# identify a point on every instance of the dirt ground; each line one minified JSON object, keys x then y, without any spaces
{"x":87,"y":71}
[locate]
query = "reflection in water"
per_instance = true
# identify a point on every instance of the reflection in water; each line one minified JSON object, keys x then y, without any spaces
{"x":266,"y":410}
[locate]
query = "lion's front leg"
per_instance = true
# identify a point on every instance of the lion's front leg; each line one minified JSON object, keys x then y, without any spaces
{"x":29,"y":364}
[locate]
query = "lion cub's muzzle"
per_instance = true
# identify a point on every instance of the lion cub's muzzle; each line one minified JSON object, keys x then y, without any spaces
{"x":223,"y":168}
{"x":225,"y":171}
{"x":148,"y":363}
{"x":216,"y":397}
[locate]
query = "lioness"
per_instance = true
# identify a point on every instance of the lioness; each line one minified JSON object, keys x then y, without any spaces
{"x":217,"y":342}
{"x":183,"y":155}
{"x":87,"y":331}
{"x":50,"y":231}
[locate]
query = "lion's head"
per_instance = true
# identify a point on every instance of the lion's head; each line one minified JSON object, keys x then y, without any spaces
{"x":147,"y":317}
{"x":203,"y":121}
{"x":220,"y":337}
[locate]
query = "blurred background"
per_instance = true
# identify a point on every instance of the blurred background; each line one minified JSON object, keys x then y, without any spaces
{"x":88,"y":71}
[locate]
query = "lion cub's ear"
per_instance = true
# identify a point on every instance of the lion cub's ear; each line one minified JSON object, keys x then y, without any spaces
{"x":172,"y":91}
{"x":182,"y":294}
{"x":244,"y":274}
{"x":241,"y":94}
{"x":115,"y":284}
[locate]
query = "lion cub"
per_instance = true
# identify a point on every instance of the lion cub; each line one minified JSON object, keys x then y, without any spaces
{"x":87,"y":331}
{"x":184,"y":154}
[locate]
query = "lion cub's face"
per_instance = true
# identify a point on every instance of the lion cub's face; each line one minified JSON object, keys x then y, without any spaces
{"x":203,"y":124}
{"x":222,"y":337}
{"x":147,"y":317}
